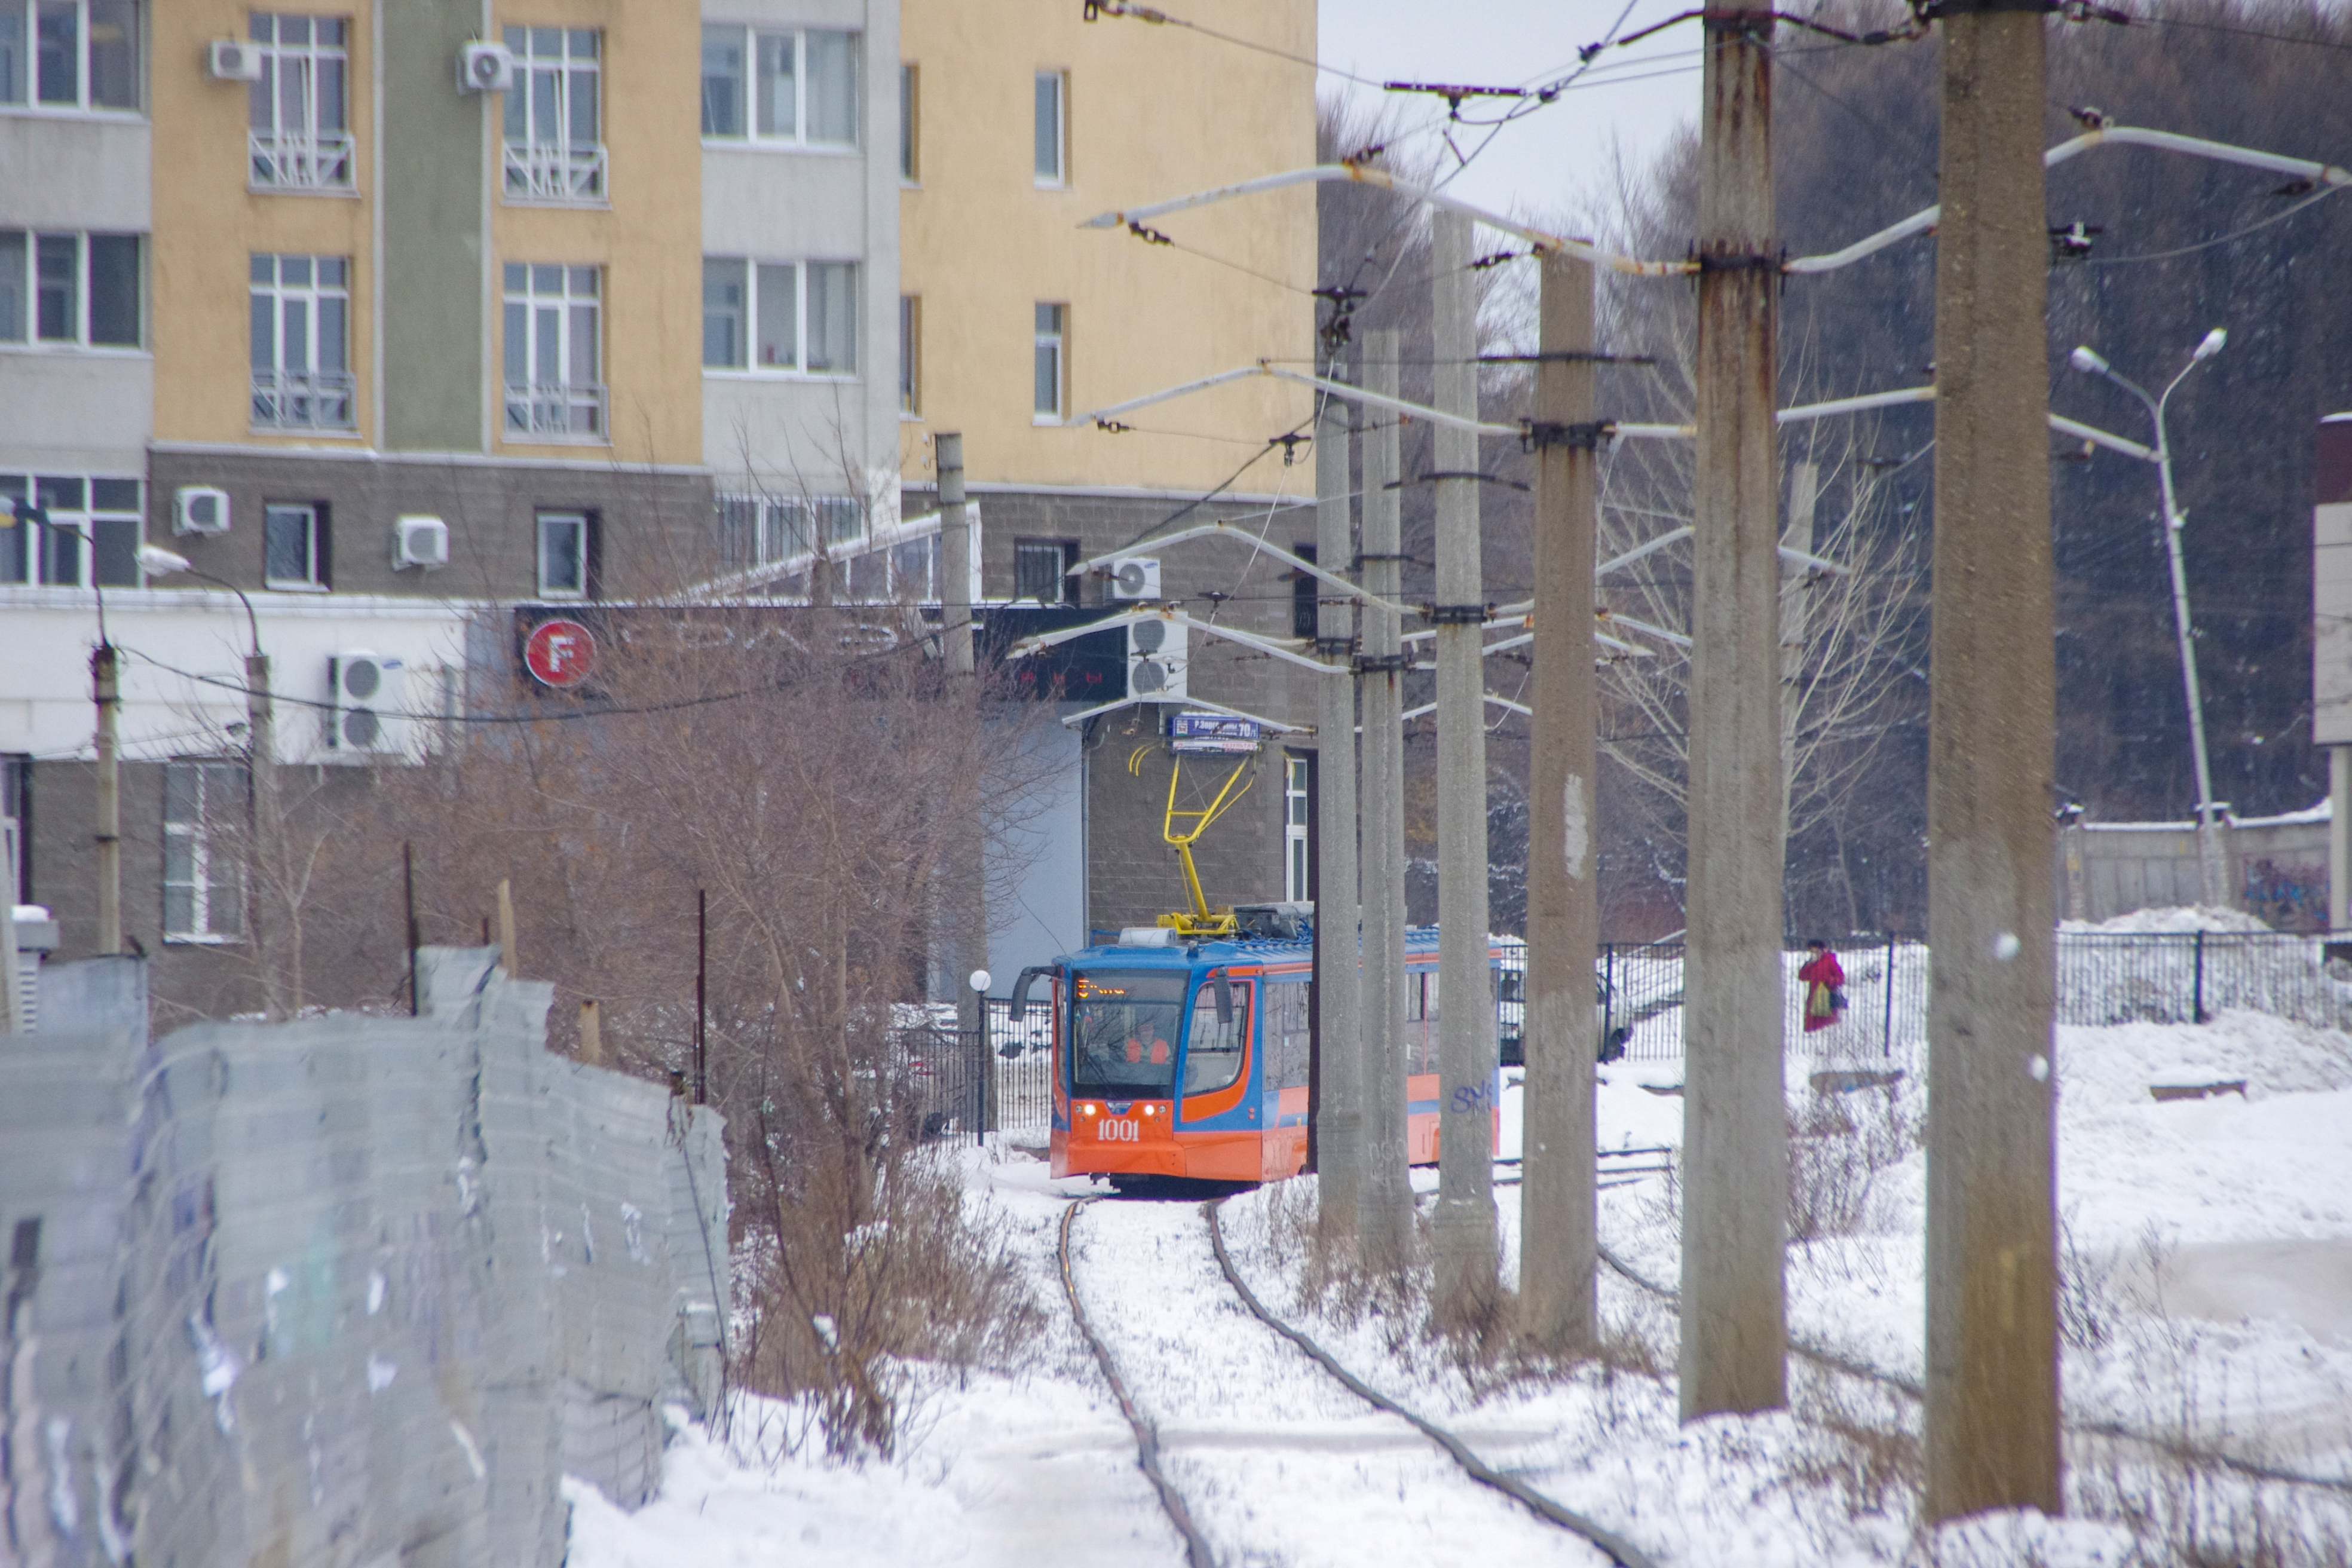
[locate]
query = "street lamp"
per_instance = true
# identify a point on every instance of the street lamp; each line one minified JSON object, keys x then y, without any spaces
{"x":106,"y":798}
{"x":2209,"y":843}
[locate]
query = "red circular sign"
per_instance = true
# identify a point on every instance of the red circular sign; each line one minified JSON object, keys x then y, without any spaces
{"x":560,"y":653}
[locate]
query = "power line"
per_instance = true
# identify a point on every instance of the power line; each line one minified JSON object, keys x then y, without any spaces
{"x":2321,"y":195}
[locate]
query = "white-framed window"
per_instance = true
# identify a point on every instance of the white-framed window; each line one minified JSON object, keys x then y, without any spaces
{"x":793,"y":86}
{"x":301,"y":311}
{"x":554,"y":352}
{"x":762,"y":531}
{"x":1041,"y":568}
{"x":294,"y":546}
{"x":1298,"y":787}
{"x":90,"y":530}
{"x":555,"y":140}
{"x":564,"y":554}
{"x":910,"y":123}
{"x":204,"y":882}
{"x":780,"y":317}
{"x":1053,"y":128}
{"x":70,"y":291}
{"x":1052,"y":389}
{"x":298,"y":129}
{"x":69,"y":54}
{"x":911,"y":354}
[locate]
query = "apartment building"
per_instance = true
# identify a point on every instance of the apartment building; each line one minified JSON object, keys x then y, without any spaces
{"x":388,"y":317}
{"x":1020,"y":119}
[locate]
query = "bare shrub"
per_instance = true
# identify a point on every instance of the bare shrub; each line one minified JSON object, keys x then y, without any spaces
{"x":823,"y":787}
{"x":1838,"y":1145}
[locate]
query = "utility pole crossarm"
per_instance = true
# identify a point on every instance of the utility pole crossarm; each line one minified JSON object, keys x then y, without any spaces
{"x":1268,"y":645}
{"x":1221,"y":529}
{"x":1340,"y":389}
{"x":2119,"y":135}
{"x":1357,"y":173}
{"x":2092,"y":434}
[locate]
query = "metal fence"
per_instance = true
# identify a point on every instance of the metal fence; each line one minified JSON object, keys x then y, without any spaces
{"x":2168,"y":977}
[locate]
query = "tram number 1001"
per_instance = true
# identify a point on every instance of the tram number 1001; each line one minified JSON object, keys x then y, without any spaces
{"x":1127,"y":1131}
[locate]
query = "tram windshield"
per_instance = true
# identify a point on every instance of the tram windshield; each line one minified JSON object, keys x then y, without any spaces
{"x":1124,"y":1030}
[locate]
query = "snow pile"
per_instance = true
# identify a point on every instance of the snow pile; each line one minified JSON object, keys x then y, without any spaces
{"x":2172,"y":921}
{"x":2207,"y":1301}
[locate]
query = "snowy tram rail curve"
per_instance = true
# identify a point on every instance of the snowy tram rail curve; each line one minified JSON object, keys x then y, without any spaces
{"x":1243,"y":1429}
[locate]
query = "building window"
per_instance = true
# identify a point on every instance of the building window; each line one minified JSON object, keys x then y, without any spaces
{"x":69,"y":54}
{"x":564,"y":555}
{"x":554,"y":348}
{"x":1053,"y":128}
{"x":71,"y":291}
{"x":911,"y":354}
{"x":1053,"y":372}
{"x":911,"y":82}
{"x":793,"y":86}
{"x":301,"y":308}
{"x":1041,"y":569}
{"x":204,"y":889}
{"x":299,"y":133}
{"x":762,"y":531}
{"x":555,"y":151}
{"x":1297,"y":789}
{"x":84,"y":530}
{"x":1305,"y":593}
{"x":294,"y":546}
{"x":759,"y":315}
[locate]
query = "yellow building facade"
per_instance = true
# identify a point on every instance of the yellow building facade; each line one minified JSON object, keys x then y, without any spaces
{"x":988,"y":232}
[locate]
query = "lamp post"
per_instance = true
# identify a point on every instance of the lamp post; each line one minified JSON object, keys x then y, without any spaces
{"x":2210,"y":866}
{"x":261,"y":749}
{"x":106,"y":804}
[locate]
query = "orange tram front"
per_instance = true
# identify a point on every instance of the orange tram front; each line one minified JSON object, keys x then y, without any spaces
{"x":1191,"y":1060}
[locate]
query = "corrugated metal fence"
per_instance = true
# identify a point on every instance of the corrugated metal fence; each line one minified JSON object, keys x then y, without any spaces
{"x":353,"y":1290}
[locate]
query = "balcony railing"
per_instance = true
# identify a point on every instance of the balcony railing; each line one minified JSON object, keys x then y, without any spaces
{"x":301,"y":160}
{"x":536,"y":172}
{"x":303,"y":400}
{"x":556,"y":413}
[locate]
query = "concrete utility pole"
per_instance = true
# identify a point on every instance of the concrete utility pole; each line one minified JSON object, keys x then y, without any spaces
{"x":1339,"y":1136}
{"x":261,"y":825}
{"x":1734,"y":1138}
{"x":955,"y":556}
{"x":1993,"y":1437}
{"x":1387,"y":1223}
{"x":1558,"y":1218}
{"x":109,"y":803}
{"x":1465,"y":1223}
{"x":968,"y":936}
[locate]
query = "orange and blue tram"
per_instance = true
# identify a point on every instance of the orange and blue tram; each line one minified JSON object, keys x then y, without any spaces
{"x":1190,"y":1059}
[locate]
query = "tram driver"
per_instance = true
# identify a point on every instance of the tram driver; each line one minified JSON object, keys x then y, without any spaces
{"x":1146,"y":1042}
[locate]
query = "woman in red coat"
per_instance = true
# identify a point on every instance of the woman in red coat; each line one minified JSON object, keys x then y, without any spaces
{"x":1823,"y":980}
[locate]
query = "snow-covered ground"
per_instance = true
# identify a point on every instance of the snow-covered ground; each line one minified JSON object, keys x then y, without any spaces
{"x":2209,"y":1301}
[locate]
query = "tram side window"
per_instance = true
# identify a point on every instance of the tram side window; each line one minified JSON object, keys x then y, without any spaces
{"x":1123,"y":1033}
{"x":1286,"y":1035}
{"x":1421,"y":1021}
{"x":1215,"y":1055}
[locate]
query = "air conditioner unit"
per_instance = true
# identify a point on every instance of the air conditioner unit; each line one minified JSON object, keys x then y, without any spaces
{"x":420,"y":542}
{"x":485,"y":67}
{"x":363,"y":708}
{"x":1158,"y":660}
{"x":233,"y":59}
{"x":1137,"y":577}
{"x":199,"y":509}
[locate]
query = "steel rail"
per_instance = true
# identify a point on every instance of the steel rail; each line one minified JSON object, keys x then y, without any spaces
{"x":1197,"y":1554}
{"x":1623,"y":1553}
{"x":1822,"y":1356}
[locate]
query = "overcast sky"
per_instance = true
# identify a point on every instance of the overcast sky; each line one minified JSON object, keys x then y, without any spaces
{"x":1540,"y":164}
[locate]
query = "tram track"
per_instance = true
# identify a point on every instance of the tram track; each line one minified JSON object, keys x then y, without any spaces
{"x":1912,"y":1389}
{"x":1620,"y":1550}
{"x":1310,"y":1428}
